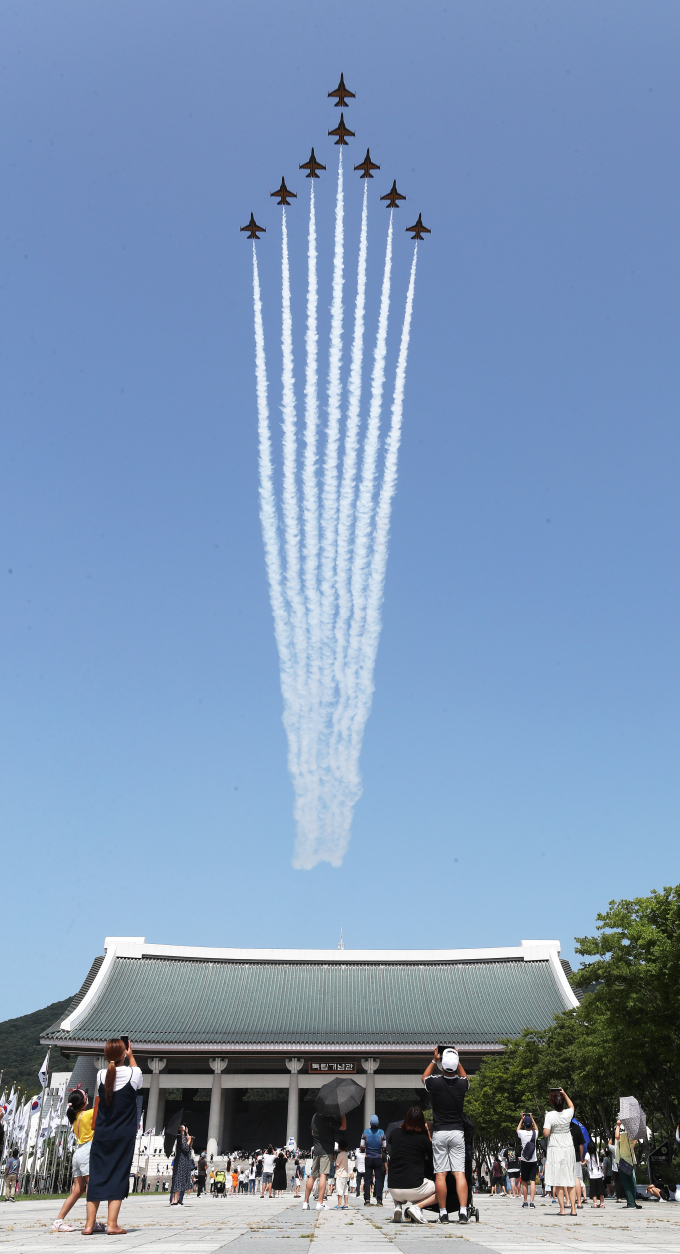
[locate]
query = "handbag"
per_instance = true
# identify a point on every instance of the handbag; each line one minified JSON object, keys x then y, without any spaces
{"x":625,"y":1168}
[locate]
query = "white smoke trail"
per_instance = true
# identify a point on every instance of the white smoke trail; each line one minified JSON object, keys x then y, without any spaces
{"x":291,"y":526}
{"x":268,"y":518}
{"x":376,"y":584}
{"x":310,"y":496}
{"x":360,"y":563}
{"x":308,"y":842}
{"x":348,"y":485}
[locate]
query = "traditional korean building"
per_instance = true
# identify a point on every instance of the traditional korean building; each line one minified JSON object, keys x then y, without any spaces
{"x":240,"y":1039}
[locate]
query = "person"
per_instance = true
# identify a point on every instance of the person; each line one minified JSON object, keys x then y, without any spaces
{"x":11,"y":1175}
{"x":342,"y":1176}
{"x":299,"y":1173}
{"x":373,"y":1144}
{"x":280,"y":1179}
{"x":201,"y":1173}
{"x":596,"y":1173}
{"x":267,"y":1172}
{"x":252,"y":1176}
{"x":580,"y":1138}
{"x":497,"y":1178}
{"x":258,"y":1174}
{"x":512,"y":1170}
{"x":181,"y":1171}
{"x":115,"y":1129}
{"x":527,"y":1132}
{"x":324,"y":1132}
{"x":410,"y":1171}
{"x":606,"y":1163}
{"x":560,"y":1166}
{"x":82,"y":1122}
{"x":625,"y":1157}
{"x":360,"y":1168}
{"x":447,"y":1092}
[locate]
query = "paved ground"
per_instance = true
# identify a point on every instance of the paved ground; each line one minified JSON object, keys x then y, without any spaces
{"x":249,"y":1226}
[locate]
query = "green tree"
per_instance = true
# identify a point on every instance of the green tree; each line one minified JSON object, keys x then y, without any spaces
{"x":632,"y":1014}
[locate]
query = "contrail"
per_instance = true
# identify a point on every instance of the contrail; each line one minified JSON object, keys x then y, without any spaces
{"x":310,"y":490}
{"x":306,"y":852}
{"x":270,"y":536}
{"x":363,"y":531}
{"x":304,"y":732}
{"x":376,"y":584}
{"x":348,"y":483}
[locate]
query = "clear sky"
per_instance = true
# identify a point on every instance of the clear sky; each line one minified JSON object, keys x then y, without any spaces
{"x":525,"y":720}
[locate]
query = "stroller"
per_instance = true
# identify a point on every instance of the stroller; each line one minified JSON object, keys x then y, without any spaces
{"x":220,"y":1183}
{"x":452,"y":1203}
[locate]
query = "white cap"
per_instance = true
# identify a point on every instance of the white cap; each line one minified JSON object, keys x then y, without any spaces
{"x":450,"y":1060}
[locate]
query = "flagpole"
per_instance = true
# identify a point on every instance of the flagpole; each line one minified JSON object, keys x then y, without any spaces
{"x":40,"y":1110}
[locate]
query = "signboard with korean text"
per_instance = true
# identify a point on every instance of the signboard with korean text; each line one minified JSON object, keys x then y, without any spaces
{"x":331,"y":1068}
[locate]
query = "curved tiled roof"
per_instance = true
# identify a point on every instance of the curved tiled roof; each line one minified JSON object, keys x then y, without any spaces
{"x":277,"y":1004}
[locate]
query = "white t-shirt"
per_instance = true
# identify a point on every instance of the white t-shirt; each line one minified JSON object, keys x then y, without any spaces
{"x":123,"y":1074}
{"x":361,"y":1160}
{"x":594,"y":1169}
{"x":525,"y":1136}
{"x":268,"y":1164}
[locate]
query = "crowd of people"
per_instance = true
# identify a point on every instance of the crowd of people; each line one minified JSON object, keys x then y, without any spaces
{"x":424,"y":1166}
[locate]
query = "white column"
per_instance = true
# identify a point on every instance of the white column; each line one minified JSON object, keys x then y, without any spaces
{"x":294,"y":1065}
{"x":218,"y":1065}
{"x":156,"y":1065}
{"x":370,"y":1066}
{"x":160,"y":1114}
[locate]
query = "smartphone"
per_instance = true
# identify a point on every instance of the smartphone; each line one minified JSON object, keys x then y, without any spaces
{"x":126,"y":1041}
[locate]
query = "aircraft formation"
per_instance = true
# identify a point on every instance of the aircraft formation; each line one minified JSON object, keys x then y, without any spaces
{"x":341,"y":132}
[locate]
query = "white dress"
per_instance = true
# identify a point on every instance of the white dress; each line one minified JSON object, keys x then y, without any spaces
{"x":560,"y":1163}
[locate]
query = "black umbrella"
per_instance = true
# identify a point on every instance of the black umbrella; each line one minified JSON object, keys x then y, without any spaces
{"x":171,"y":1129}
{"x":339,"y":1096}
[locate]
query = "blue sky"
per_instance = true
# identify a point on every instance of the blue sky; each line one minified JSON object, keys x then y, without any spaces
{"x":525,"y":719}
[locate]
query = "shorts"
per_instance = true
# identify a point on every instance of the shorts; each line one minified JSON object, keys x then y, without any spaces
{"x":267,"y":1177}
{"x":578,"y":1171}
{"x":448,"y":1150}
{"x":342,"y":1184}
{"x":421,"y":1194}
{"x":513,"y":1174}
{"x":321,"y":1165}
{"x":597,"y":1187}
{"x":81,"y":1160}
{"x":527,"y":1171}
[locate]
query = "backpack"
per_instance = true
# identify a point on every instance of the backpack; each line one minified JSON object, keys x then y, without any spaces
{"x":528,"y":1149}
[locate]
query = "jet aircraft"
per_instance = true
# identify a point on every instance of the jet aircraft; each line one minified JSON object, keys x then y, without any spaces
{"x":419,"y":228}
{"x":284,"y":193}
{"x":253,"y":228}
{"x":367,"y":165}
{"x":341,"y":130}
{"x":312,"y":165}
{"x":342,"y":92}
{"x":393,"y":196}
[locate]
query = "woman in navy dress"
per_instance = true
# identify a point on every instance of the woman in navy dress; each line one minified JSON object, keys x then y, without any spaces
{"x":115,"y":1129}
{"x":184,"y":1163}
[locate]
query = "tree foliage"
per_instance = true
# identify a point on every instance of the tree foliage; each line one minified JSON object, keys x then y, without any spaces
{"x":623,"y":1039}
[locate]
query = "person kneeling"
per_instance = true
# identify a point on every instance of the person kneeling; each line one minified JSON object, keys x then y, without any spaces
{"x":411,"y":1182}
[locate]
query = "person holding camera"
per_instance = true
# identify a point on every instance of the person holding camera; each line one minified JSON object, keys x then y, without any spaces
{"x":560,"y":1164}
{"x":82,"y":1121}
{"x":527,"y":1132}
{"x":182,"y":1166}
{"x":447,"y":1092}
{"x":115,"y":1129}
